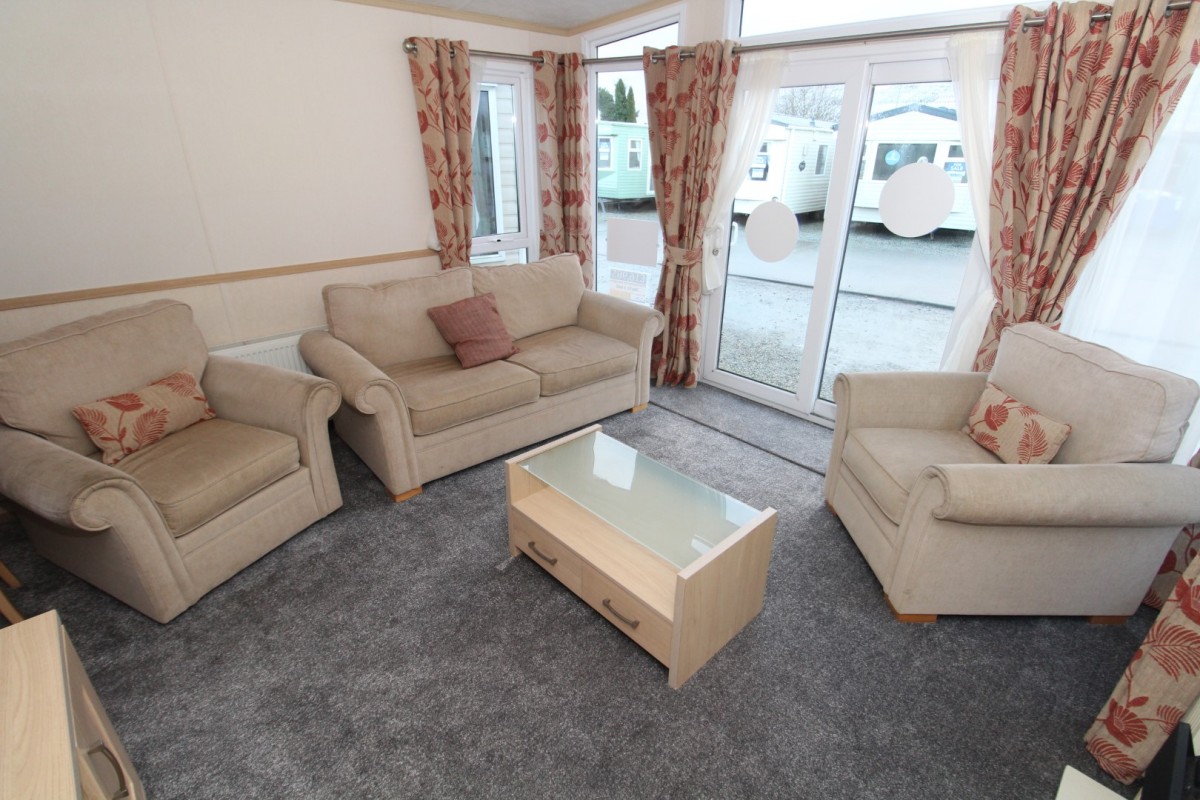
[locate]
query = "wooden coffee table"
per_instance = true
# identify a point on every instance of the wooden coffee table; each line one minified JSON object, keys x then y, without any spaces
{"x":678,"y":567}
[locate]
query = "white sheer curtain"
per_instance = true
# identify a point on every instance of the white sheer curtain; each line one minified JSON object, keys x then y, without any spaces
{"x":759,"y":76}
{"x":975,"y":70}
{"x":1140,"y":294}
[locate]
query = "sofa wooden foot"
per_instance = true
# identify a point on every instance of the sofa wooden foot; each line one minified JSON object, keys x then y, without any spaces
{"x":637,"y":409}
{"x":913,"y":618}
{"x":1106,"y":620}
{"x":832,"y":510}
{"x":400,"y":498}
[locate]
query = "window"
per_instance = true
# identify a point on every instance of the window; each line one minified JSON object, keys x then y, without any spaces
{"x":501,"y":155}
{"x":762,"y":164}
{"x":760,"y":17}
{"x":850,"y":295}
{"x":635,"y":154}
{"x":624,"y":187}
{"x":604,"y":152}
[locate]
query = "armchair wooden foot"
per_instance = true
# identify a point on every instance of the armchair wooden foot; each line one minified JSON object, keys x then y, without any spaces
{"x":411,"y":493}
{"x":913,"y":618}
{"x":1103,"y":620}
{"x":637,"y":409}
{"x":832,"y":510}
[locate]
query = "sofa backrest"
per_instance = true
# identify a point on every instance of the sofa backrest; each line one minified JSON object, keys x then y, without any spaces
{"x":387,"y":323}
{"x":534,"y":297}
{"x":1118,"y":410}
{"x":44,"y":376}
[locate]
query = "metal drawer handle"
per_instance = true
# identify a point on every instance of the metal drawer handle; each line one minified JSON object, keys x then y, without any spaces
{"x":122,"y":788}
{"x":633,"y":623}
{"x":551,"y":560}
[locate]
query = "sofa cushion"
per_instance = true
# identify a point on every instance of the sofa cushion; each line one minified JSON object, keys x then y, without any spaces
{"x":199,"y":472}
{"x":535,"y":297}
{"x":441,"y":394}
{"x":473,"y":327}
{"x":127,"y":422}
{"x":566,"y":358}
{"x":44,"y":376}
{"x":1118,"y":410}
{"x":888,"y":461}
{"x":1014,"y":431}
{"x":386,"y":322}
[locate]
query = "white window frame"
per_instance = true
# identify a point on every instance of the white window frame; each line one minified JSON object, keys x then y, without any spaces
{"x":520,"y":77}
{"x":858,"y":68}
{"x":610,"y":140}
{"x":629,"y":156}
{"x":891,"y":25}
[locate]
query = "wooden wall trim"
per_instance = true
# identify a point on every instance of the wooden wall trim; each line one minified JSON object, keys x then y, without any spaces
{"x":54,"y":298}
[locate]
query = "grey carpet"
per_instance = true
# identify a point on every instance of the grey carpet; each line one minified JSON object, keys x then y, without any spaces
{"x":383,"y":654}
{"x":770,"y":429}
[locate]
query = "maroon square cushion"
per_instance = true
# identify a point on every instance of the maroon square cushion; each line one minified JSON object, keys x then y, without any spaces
{"x":474,"y":329}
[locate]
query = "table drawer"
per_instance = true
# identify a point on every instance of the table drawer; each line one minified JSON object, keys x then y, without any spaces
{"x":631,"y":616}
{"x":545,"y":551}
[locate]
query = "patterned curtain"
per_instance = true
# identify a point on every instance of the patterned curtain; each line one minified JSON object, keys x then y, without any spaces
{"x":1160,"y":684}
{"x":1181,"y":554}
{"x":564,"y":158}
{"x":1081,"y":104}
{"x":441,"y":76}
{"x":688,"y":102}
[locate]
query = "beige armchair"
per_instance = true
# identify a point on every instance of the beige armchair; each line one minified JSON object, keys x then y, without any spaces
{"x":948,"y":528}
{"x":170,"y":522}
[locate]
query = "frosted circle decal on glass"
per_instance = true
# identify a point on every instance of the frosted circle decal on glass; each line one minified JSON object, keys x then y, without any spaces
{"x":772,"y":231}
{"x":916,"y":199}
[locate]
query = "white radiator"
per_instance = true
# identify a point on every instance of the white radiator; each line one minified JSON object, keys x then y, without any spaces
{"x":280,"y":351}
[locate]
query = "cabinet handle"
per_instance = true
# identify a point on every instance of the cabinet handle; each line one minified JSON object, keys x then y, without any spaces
{"x":633,"y":623}
{"x":123,"y":787}
{"x":551,"y":560}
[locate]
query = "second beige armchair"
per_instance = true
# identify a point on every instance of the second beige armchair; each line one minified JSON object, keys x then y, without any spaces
{"x":949,"y":528}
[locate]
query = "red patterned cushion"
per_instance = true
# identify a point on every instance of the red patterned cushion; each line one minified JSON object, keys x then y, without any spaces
{"x":474,"y":329}
{"x":1015,"y":432}
{"x":125,"y":423}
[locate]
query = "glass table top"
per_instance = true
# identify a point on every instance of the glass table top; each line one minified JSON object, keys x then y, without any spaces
{"x":665,"y":511}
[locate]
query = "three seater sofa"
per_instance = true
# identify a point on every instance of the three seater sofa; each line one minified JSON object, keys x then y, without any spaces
{"x":412,"y":413}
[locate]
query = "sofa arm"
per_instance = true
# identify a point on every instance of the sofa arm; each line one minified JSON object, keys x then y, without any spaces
{"x":1064,"y":495}
{"x":623,"y":320}
{"x":63,"y":486}
{"x":281,"y":400}
{"x":931,"y":400}
{"x":627,"y":322}
{"x":363,"y":385}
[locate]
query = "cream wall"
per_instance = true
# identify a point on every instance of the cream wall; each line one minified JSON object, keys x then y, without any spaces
{"x":151,"y":140}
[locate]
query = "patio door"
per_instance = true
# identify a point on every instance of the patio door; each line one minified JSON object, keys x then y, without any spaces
{"x":850,"y":295}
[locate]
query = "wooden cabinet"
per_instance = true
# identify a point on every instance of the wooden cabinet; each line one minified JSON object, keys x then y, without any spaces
{"x":56,"y":740}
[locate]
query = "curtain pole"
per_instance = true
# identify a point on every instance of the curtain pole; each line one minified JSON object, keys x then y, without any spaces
{"x":1032,"y":22}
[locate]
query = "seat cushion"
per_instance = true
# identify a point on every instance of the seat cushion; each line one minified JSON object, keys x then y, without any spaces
{"x":203,"y":470}
{"x":1118,"y":410}
{"x":888,"y":461}
{"x":440,"y":394}
{"x":566,"y":358}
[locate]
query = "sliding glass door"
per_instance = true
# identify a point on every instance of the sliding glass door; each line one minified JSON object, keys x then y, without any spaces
{"x":860,"y":289}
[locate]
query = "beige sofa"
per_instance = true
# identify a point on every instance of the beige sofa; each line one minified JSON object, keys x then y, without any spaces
{"x":170,"y":522}
{"x":413,"y":414}
{"x":948,"y":528}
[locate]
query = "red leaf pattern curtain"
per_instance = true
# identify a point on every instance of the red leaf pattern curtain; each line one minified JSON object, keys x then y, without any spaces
{"x":1160,"y":684}
{"x":441,"y":77}
{"x":1080,"y":106}
{"x":564,"y":153}
{"x":688,"y":102}
{"x":1181,"y":554}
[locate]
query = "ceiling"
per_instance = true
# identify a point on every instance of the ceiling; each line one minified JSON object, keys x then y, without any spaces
{"x":564,"y":17}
